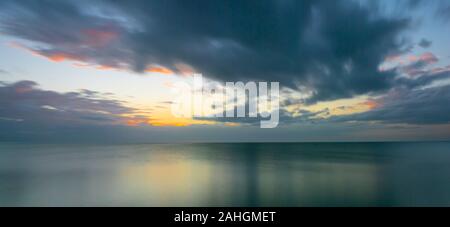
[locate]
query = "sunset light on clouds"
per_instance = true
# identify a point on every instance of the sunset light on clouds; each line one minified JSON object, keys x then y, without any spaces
{"x":332,"y":71}
{"x":224,"y":111}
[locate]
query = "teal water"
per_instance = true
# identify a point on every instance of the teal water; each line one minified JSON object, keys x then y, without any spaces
{"x":294,"y":174}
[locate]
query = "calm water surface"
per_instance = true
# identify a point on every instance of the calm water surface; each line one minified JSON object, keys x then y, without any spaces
{"x":296,"y":174}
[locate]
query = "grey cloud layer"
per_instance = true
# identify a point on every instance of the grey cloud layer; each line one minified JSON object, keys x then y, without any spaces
{"x":418,"y":106}
{"x":24,"y":103}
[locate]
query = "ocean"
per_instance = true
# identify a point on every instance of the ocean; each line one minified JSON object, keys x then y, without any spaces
{"x":234,"y":174}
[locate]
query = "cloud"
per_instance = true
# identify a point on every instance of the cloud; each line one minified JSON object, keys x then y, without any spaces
{"x":417,"y":65}
{"x":416,"y":101}
{"x":31,"y":114}
{"x":63,"y":30}
{"x":333,"y":47}
{"x":33,"y":106}
{"x":424,"y":43}
{"x":160,"y":70}
{"x":417,"y":106}
{"x":411,"y":65}
{"x":444,"y":12}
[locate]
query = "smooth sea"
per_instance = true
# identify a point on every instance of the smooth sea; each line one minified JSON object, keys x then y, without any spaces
{"x":233,"y":174}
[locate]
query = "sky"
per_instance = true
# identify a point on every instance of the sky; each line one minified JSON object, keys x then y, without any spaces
{"x":103,"y":71}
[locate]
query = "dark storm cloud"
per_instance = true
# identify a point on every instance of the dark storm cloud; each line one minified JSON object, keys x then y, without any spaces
{"x":334,"y":47}
{"x":24,"y":103}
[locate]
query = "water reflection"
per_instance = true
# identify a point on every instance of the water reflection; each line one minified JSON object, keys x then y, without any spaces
{"x":316,"y":174}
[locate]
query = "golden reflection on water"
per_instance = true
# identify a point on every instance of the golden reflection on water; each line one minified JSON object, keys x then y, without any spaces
{"x":168,"y":181}
{"x":341,"y":174}
{"x":167,"y":178}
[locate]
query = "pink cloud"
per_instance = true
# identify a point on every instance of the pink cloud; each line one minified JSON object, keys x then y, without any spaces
{"x":99,"y":37}
{"x":428,"y":57}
